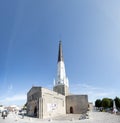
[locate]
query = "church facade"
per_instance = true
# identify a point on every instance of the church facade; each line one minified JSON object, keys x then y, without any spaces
{"x":45,"y":103}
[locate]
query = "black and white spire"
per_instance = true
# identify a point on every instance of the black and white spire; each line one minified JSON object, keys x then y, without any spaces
{"x":61,"y":78}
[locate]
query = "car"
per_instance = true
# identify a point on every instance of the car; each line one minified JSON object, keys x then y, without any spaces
{"x":22,"y":112}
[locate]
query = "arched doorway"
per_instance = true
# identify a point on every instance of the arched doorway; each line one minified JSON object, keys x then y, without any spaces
{"x":71,"y":109}
{"x":35,"y":111}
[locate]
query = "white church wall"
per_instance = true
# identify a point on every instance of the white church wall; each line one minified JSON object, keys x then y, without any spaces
{"x":53,"y":103}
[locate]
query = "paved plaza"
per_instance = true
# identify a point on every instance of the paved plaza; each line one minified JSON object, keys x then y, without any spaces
{"x":94,"y":117}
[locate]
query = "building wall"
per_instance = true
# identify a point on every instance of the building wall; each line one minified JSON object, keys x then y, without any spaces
{"x":47,"y":103}
{"x":76,"y":104}
{"x":91,"y":106}
{"x":54,"y":103}
{"x":62,"y":89}
{"x":33,"y":101}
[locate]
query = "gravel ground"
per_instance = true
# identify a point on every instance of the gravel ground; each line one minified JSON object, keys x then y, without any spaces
{"x":94,"y":117}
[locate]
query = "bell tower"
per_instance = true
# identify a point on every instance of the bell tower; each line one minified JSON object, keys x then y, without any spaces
{"x":61,"y":84}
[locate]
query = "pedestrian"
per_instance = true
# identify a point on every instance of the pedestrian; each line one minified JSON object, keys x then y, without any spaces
{"x":22,"y":114}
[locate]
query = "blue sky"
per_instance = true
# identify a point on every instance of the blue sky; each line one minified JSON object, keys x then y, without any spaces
{"x":29,"y":36}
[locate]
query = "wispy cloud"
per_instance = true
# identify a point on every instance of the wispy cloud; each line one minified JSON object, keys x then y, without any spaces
{"x":93,"y":92}
{"x":14,"y":99}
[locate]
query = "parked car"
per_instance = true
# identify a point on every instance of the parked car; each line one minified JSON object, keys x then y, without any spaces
{"x":22,"y":112}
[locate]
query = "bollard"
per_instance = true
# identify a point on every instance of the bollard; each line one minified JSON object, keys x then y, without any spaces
{"x":16,"y":118}
{"x":72,"y":119}
{"x":30,"y":119}
{"x":50,"y":120}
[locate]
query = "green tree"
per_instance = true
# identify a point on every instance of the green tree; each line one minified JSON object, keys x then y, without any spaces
{"x":111,"y":103}
{"x":117,"y":102}
{"x":98,"y":103}
{"x":25,"y":106}
{"x":106,"y":102}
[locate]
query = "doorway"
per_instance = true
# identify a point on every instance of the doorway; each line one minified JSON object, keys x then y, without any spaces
{"x":35,"y":111}
{"x":71,"y":109}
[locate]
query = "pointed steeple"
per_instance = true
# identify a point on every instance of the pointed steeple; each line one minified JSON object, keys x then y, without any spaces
{"x":61,"y":83}
{"x":60,"y":54}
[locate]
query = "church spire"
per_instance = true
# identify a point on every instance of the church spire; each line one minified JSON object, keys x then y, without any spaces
{"x":61,"y":84}
{"x":60,"y":54}
{"x":61,"y":74}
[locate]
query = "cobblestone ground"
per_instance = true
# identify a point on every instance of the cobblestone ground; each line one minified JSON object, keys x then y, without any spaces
{"x":94,"y":117}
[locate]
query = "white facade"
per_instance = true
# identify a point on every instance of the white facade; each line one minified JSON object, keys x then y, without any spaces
{"x":61,"y":78}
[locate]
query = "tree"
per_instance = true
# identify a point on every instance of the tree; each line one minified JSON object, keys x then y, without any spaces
{"x":98,"y":103}
{"x":117,"y":102}
{"x":106,"y":102}
{"x":24,"y":107}
{"x":111,"y":103}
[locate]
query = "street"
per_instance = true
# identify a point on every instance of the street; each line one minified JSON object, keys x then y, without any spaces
{"x":95,"y":117}
{"x":15,"y":118}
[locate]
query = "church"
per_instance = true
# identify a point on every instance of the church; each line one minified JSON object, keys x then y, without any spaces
{"x":44,"y":103}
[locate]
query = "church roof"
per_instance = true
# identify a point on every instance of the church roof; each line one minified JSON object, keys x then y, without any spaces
{"x":60,"y":54}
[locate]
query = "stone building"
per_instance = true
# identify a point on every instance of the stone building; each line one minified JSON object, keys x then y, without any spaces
{"x":44,"y":103}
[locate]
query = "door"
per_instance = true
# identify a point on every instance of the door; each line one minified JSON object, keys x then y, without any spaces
{"x":71,"y":109}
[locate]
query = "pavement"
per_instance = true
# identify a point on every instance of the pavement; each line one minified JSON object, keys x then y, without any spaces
{"x":94,"y":117}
